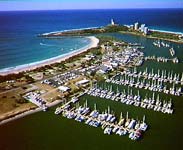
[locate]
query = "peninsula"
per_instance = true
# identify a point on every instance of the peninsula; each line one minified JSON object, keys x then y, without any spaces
{"x":136,"y":29}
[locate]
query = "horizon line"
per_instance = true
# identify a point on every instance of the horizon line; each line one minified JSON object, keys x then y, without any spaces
{"x":87,"y":9}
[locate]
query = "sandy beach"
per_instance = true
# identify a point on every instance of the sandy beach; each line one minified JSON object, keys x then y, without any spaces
{"x":32,"y":66}
{"x":164,"y":31}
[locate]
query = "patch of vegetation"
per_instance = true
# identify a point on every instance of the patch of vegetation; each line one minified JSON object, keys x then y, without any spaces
{"x":116,"y":28}
{"x":96,"y":51}
{"x":105,"y":38}
{"x":11,"y":77}
{"x":87,"y":32}
{"x":21,"y":101}
{"x":164,"y":35}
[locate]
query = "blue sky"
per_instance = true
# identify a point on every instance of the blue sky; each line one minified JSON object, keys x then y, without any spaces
{"x":84,"y":4}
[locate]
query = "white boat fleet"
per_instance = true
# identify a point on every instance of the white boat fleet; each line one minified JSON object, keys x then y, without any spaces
{"x":159,"y":44}
{"x":150,"y":81}
{"x":128,"y":98}
{"x":161,"y":75}
{"x":106,"y":120}
{"x":162,"y":59}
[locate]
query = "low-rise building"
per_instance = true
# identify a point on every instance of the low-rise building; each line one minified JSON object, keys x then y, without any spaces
{"x":82,"y":82}
{"x":63,"y":89}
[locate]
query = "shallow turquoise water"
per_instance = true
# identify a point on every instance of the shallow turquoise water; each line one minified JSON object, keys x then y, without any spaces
{"x":38,"y":49}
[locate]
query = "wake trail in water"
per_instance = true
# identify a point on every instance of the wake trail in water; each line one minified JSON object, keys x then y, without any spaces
{"x":42,"y":44}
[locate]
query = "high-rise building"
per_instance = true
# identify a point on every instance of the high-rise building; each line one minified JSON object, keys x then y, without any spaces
{"x":146,"y":30}
{"x":136,"y":26}
{"x":142,"y":27}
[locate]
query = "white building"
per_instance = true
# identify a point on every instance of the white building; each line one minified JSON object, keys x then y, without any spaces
{"x":82,"y":82}
{"x":136,"y":26}
{"x":142,"y":27}
{"x":146,"y":30}
{"x":63,"y":88}
{"x":112,"y":22}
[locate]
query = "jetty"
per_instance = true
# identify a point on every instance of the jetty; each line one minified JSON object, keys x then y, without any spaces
{"x":128,"y":98}
{"x":174,"y":60}
{"x":106,"y":120}
{"x":150,"y":81}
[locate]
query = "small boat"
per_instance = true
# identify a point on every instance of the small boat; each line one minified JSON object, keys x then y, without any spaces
{"x":45,"y":108}
{"x":74,"y":99}
{"x":108,"y":130}
{"x":172,"y":51}
{"x":58,"y":111}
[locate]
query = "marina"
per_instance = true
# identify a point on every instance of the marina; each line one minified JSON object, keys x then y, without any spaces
{"x":168,"y":84}
{"x":129,"y":98}
{"x":106,"y":120}
{"x":124,"y":102}
{"x":153,"y":105}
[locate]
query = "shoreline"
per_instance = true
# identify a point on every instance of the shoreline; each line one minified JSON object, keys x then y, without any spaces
{"x":61,"y":58}
{"x":151,"y":37}
{"x":165,"y":31}
{"x":29,"y":112}
{"x":175,"y":33}
{"x":54,"y":32}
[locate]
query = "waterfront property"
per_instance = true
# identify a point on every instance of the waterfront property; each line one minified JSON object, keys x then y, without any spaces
{"x":126,"y":56}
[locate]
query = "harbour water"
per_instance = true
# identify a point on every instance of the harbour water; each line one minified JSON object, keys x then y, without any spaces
{"x":45,"y":130}
{"x":20,"y":45}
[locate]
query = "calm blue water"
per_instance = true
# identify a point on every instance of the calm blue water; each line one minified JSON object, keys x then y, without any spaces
{"x":19,"y":43}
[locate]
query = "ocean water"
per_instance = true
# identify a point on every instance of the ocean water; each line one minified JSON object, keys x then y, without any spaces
{"x":20,"y":45}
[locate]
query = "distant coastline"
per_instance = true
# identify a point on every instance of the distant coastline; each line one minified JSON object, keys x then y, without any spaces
{"x":171,"y":36}
{"x":165,"y":31}
{"x":94,"y":41}
{"x":161,"y":30}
